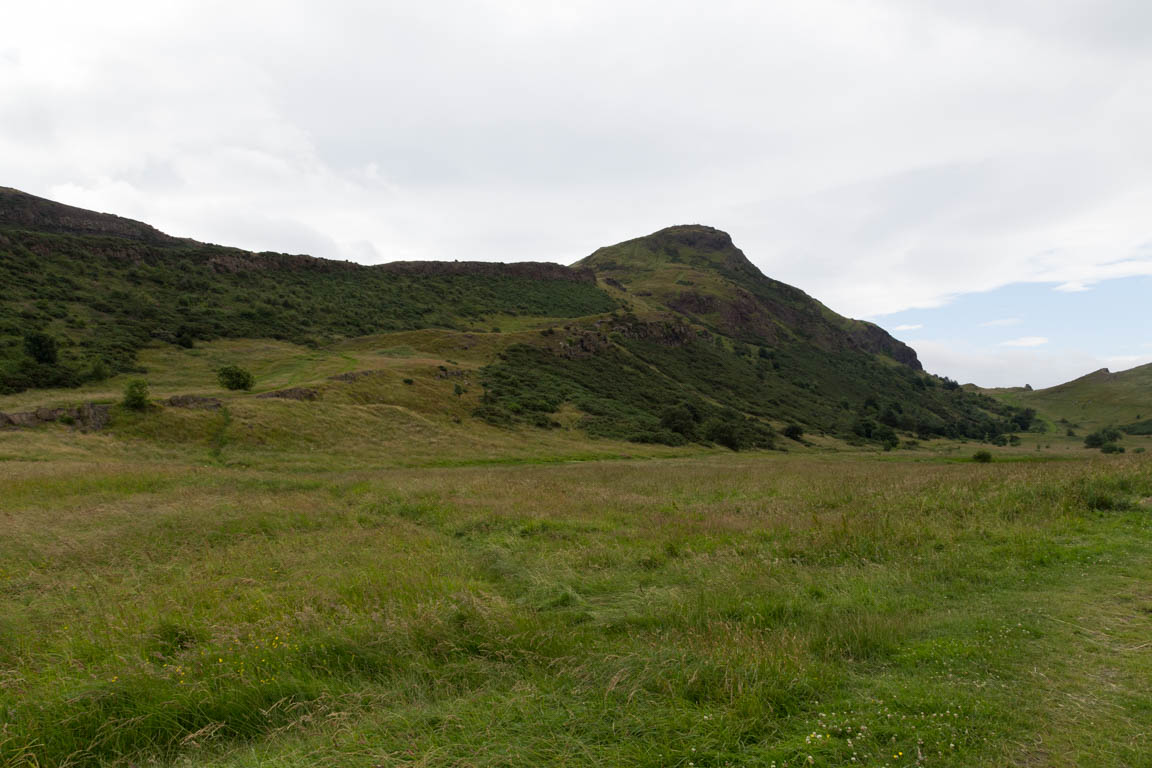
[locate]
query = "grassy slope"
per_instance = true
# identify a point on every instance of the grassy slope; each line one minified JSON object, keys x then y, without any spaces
{"x":1093,"y":401}
{"x":104,"y":298}
{"x":748,"y":610}
{"x":375,"y":420}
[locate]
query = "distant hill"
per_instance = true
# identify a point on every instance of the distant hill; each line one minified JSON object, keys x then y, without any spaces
{"x":1097,"y":399}
{"x":670,"y":338}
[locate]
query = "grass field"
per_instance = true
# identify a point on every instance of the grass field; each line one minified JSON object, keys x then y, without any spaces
{"x":744,"y":610}
{"x":374,"y":578}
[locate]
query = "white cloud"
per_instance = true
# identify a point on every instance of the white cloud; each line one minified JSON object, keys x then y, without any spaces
{"x":1025,"y":341}
{"x":1015,"y":367}
{"x":1001,"y":322}
{"x":882,"y":156}
{"x":909,"y":327}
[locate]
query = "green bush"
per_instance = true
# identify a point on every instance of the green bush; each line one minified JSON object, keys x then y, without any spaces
{"x":136,"y":395}
{"x":41,"y":347}
{"x":680,"y":419}
{"x":1102,"y":437}
{"x":234,"y":377}
{"x":1111,"y":448}
{"x":793,"y":432}
{"x":982,"y":457}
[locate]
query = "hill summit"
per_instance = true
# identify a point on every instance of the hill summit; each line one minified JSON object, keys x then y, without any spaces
{"x":699,"y":272}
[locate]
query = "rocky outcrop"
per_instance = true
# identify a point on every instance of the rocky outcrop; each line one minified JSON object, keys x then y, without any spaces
{"x":194,"y":401}
{"x":294,"y":393}
{"x":584,"y":341}
{"x":88,"y":417}
{"x":873,"y":338}
{"x":355,"y":375}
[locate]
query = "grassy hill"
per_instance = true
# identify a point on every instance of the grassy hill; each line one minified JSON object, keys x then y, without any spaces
{"x":1099,"y":399}
{"x":673,"y":338}
{"x":104,"y":287}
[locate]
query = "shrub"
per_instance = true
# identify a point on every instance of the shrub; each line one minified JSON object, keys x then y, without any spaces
{"x":726,"y":433}
{"x":1111,"y":448}
{"x":234,"y":377}
{"x":1102,"y":437}
{"x":185,"y":337}
{"x":793,"y":432}
{"x":41,"y":347}
{"x":409,"y":381}
{"x":679,"y":419}
{"x":98,"y":371}
{"x":982,"y":457}
{"x":136,"y":395}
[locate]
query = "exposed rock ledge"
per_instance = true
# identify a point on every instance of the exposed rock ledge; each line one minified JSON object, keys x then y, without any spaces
{"x":89,"y":417}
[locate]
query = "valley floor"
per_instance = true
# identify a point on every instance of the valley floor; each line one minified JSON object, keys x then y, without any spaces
{"x":716,"y":610}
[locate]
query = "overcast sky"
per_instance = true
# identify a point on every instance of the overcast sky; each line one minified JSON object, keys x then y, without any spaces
{"x":897,"y":159}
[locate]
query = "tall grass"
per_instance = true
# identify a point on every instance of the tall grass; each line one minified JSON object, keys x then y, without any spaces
{"x":737,"y":611}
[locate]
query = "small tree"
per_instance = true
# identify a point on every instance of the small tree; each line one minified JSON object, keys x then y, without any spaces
{"x":234,"y":377}
{"x":136,"y":395}
{"x":41,"y":347}
{"x":793,"y":432}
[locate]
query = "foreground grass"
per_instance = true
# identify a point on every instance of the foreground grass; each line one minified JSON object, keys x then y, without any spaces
{"x":752,"y":610}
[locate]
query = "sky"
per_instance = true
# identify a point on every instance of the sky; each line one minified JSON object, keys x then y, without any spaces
{"x":973,"y":175}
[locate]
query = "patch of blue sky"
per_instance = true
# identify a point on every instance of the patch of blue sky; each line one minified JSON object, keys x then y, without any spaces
{"x":1032,"y":332}
{"x":1112,"y":318}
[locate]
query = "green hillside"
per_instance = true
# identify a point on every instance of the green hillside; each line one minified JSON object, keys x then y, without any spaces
{"x":674,"y":338}
{"x":1099,"y":399}
{"x":105,"y":287}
